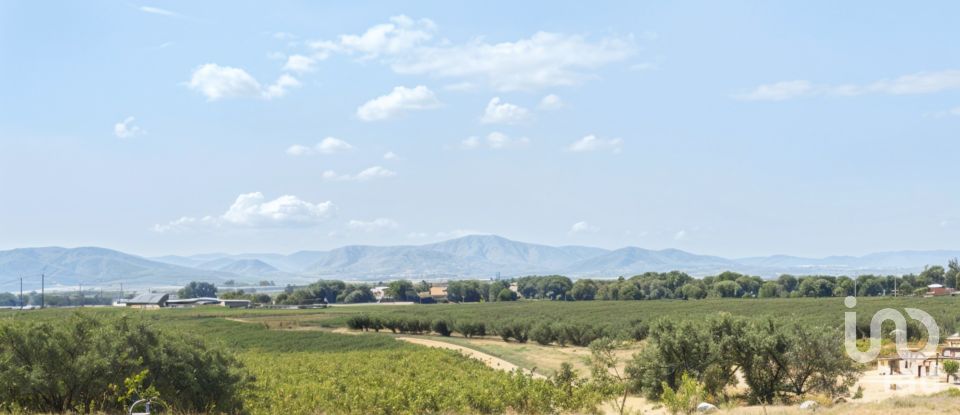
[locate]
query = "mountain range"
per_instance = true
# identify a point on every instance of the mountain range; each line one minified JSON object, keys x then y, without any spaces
{"x":475,"y":256}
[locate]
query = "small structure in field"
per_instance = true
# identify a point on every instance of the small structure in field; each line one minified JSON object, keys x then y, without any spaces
{"x":439,"y":293}
{"x":148,"y":301}
{"x":938,"y":290}
{"x":951,"y":347}
{"x":235,"y":303}
{"x":380,"y":293}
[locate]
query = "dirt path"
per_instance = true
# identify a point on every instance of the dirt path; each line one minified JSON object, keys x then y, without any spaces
{"x":489,"y":360}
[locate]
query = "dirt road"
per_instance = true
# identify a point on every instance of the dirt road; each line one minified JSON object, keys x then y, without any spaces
{"x":489,"y":360}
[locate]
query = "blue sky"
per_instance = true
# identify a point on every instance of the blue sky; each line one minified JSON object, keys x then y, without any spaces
{"x":727,"y":128}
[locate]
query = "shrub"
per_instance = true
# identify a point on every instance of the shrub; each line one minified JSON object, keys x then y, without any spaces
{"x":79,"y":364}
{"x":685,"y":399}
{"x":471,"y":329}
{"x":542,"y":334}
{"x":441,"y":327}
{"x":950,"y":367}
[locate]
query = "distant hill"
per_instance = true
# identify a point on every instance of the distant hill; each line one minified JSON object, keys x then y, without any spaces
{"x":475,"y":256}
{"x":69,"y":267}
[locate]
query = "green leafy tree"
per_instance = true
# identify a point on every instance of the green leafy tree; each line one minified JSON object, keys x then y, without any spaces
{"x":86,"y":363}
{"x":584,"y":290}
{"x":198,"y":289}
{"x":607,"y":378}
{"x":506,"y":295}
{"x":770,"y":289}
{"x":402,"y":290}
{"x":950,"y":367}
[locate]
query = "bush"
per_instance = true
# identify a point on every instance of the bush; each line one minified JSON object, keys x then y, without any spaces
{"x":441,"y":327}
{"x":685,"y":399}
{"x":542,"y":333}
{"x":87,"y":364}
{"x":471,"y":329}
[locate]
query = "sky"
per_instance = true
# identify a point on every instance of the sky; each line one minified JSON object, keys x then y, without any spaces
{"x":737,"y":128}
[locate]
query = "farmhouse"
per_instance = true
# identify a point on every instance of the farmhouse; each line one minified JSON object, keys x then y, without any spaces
{"x":148,"y":301}
{"x":438,"y":292}
{"x":380,"y":293}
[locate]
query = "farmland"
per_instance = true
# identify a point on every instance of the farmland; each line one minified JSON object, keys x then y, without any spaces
{"x":313,"y":371}
{"x":296,"y":363}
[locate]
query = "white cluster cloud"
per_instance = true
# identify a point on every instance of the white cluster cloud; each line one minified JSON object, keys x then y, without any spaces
{"x":126,"y":129}
{"x":222,"y":82}
{"x":375,"y":225}
{"x":495,"y":140}
{"x":390,"y":156}
{"x":917,"y":83}
{"x":398,"y":36}
{"x":252,"y":210}
{"x":504,"y":113}
{"x":370,"y":173}
{"x":594,"y":143}
{"x":550,"y":102}
{"x":329,"y":145}
{"x":398,"y":102}
{"x":583,"y":227}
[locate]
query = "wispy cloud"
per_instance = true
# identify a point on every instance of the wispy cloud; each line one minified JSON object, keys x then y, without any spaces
{"x":159,"y":11}
{"x":329,"y":145}
{"x":495,"y":141}
{"x":379,"y":224}
{"x":368,"y":174}
{"x":594,"y":143}
{"x":911,"y":84}
{"x":582,"y":227}
{"x":127,"y":129}
{"x":550,"y":102}
{"x":410,"y":46}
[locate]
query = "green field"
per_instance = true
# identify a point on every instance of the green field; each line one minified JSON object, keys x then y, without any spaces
{"x":310,"y":371}
{"x":298,"y":366}
{"x":618,"y":314}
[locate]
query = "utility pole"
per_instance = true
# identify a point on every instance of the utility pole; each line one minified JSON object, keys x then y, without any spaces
{"x":81,"y":294}
{"x":21,"y":293}
{"x":43,"y":278}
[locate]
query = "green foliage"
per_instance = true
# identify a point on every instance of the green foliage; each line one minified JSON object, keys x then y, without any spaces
{"x":94,"y":364}
{"x":685,"y":399}
{"x":950,"y":367}
{"x":470,"y":328}
{"x":411,"y":380}
{"x":506,"y":295}
{"x":775,"y":358}
{"x":441,"y":327}
{"x":198,"y":289}
{"x":402,"y":290}
{"x":606,"y":377}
